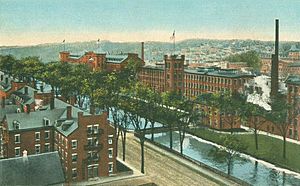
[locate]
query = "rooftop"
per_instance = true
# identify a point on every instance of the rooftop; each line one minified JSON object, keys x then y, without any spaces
{"x":293,"y":79}
{"x":217,"y":71}
{"x":41,"y":169}
{"x":295,"y":64}
{"x":116,"y":58}
{"x":25,"y":98}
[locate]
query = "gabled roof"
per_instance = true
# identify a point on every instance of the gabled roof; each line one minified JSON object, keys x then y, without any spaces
{"x":41,"y":169}
{"x":116,"y":58}
{"x":27,"y":98}
{"x":33,"y":119}
{"x":293,"y":79}
{"x":9,"y":109}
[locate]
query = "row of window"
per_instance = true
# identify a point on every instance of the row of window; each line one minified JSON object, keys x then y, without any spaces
{"x":37,"y":136}
{"x":93,"y":170}
{"x":37,"y":148}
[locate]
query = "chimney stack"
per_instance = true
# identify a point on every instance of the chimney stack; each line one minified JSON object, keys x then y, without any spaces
{"x":92,"y":109}
{"x":52,"y":100}
{"x":27,"y":108}
{"x":3,"y":102}
{"x":41,"y":88}
{"x":142,"y":53}
{"x":69,"y":112}
{"x":26,"y":90}
{"x":275,"y":60}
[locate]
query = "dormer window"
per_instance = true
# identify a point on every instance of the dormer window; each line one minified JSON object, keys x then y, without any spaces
{"x":46,"y":122}
{"x":16,"y":124}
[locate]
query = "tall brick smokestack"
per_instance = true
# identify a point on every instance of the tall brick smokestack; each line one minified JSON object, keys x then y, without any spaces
{"x":275,"y":59}
{"x":142,"y":53}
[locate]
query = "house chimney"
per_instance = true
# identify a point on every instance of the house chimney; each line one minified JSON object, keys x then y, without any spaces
{"x":142,"y":53}
{"x":41,"y":88}
{"x":26,"y":90}
{"x":92,"y":109}
{"x":27,"y":108}
{"x":3,"y":102}
{"x":52,"y":100}
{"x":69,"y":112}
{"x":24,"y":153}
{"x":275,"y":59}
{"x":6,"y":80}
{"x":25,"y":157}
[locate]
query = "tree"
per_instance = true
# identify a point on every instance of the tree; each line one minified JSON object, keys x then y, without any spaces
{"x":229,"y":150}
{"x":255,"y":116}
{"x":137,"y":104}
{"x":281,"y":116}
{"x":6,"y":64}
{"x":31,"y":68}
{"x":251,"y":58}
{"x":186,"y":115}
{"x":230,"y":105}
{"x":170,"y":102}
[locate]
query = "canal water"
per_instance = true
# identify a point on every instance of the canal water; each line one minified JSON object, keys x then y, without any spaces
{"x":254,"y":172}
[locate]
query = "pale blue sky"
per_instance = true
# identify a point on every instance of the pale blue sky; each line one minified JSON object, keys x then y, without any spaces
{"x":32,"y":21}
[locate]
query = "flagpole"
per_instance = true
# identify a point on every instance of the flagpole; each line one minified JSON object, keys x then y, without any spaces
{"x":174,"y":45}
{"x":64,"y":42}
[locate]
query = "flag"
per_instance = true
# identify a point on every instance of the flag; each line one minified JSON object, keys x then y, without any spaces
{"x":173,"y":36}
{"x":64,"y":40}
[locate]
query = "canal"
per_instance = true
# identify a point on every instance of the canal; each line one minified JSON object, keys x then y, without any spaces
{"x":246,"y":168}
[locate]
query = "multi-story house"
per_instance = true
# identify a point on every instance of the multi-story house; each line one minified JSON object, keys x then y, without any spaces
{"x":85,"y":141}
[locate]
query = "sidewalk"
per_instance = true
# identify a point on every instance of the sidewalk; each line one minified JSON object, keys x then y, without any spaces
{"x":272,"y":135}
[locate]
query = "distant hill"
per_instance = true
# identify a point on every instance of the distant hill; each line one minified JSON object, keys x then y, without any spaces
{"x":153,"y":50}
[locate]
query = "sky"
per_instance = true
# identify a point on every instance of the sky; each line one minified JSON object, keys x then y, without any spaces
{"x":30,"y":22}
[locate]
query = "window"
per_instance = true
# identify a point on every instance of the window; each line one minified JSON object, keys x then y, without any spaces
{"x":47,"y":134}
{"x":74,"y":173}
{"x":110,"y":141}
{"x":89,"y":129}
{"x":46,"y":122}
{"x":37,"y":149}
{"x":47,"y":147}
{"x":110,"y":167}
{"x":90,"y":141}
{"x":74,"y":144}
{"x":37,"y":136}
{"x":17,"y":138}
{"x":74,"y":158}
{"x":95,"y":129}
{"x":17,"y":151}
{"x":110,"y":152}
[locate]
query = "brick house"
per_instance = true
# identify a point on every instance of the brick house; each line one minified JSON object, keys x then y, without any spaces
{"x":85,"y":141}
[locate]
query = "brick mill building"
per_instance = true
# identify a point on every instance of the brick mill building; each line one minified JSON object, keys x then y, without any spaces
{"x":172,"y":76}
{"x":37,"y":122}
{"x":100,"y":60}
